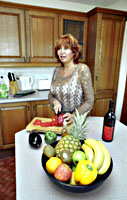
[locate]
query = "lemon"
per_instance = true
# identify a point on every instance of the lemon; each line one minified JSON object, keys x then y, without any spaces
{"x":52,"y":164}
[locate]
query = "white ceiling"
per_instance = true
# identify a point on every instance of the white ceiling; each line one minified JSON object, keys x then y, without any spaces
{"x":114,"y":4}
{"x":94,"y":2}
{"x":76,"y":5}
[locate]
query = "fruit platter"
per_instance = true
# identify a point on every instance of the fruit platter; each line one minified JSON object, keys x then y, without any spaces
{"x":76,"y":163}
{"x":76,"y":188}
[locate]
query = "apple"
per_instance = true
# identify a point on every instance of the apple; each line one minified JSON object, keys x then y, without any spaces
{"x":63,"y":172}
{"x":77,"y":156}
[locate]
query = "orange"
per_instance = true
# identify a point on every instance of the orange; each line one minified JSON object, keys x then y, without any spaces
{"x":52,"y":164}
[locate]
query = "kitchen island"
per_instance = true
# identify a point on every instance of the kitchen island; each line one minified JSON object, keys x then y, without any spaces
{"x":33,"y":183}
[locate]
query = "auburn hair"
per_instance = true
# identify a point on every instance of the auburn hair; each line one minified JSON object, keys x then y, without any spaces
{"x":68,"y":41}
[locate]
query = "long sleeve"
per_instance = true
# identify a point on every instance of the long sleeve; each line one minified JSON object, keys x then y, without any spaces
{"x":86,"y":82}
{"x":50,"y":95}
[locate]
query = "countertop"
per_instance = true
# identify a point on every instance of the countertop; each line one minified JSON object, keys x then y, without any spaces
{"x":33,"y":183}
{"x":38,"y":95}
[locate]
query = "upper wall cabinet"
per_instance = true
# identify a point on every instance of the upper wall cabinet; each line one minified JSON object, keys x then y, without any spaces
{"x":77,"y":26}
{"x":41,"y":33}
{"x":12,"y":35}
{"x":29,"y":35}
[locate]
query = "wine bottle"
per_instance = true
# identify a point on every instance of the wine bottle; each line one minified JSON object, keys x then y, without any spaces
{"x":109,"y":124}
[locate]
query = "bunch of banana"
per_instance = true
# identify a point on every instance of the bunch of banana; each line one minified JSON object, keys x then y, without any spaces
{"x":96,"y":152}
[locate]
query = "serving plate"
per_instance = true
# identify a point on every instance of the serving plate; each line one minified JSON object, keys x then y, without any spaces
{"x":76,"y":188}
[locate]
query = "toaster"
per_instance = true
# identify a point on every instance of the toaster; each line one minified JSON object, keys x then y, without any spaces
{"x":44,"y":84}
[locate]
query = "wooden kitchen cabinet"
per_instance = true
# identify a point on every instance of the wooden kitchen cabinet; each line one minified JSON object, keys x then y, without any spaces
{"x":13,"y":118}
{"x":42,"y":32}
{"x":77,"y":26}
{"x":28,"y":34}
{"x":105,"y":37}
{"x":41,"y":109}
{"x":12,"y":35}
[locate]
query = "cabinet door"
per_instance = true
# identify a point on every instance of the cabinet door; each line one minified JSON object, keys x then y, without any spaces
{"x":109,"y":45}
{"x":77,"y":26}
{"x":12,"y":35}
{"x":42,"y":32}
{"x":105,"y":36}
{"x":101,"y":106}
{"x":41,"y":109}
{"x":13,"y":118}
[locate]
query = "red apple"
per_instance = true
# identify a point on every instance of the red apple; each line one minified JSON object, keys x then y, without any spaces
{"x":63,"y":172}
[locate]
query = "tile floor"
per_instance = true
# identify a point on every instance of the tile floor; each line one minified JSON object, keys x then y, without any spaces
{"x":7,"y":178}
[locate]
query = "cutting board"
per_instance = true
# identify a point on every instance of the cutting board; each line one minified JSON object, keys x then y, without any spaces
{"x":30,"y":127}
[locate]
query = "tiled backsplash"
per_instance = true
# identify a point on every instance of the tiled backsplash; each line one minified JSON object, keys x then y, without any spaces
{"x":36,"y":72}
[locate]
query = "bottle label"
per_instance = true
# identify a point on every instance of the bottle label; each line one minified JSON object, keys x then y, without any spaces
{"x":108,"y":133}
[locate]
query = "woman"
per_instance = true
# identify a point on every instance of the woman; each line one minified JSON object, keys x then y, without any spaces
{"x":71,"y":85}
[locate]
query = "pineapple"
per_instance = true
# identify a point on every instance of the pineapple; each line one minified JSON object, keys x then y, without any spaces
{"x":77,"y":132}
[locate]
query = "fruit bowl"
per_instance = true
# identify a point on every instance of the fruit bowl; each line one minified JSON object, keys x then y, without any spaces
{"x":76,"y":188}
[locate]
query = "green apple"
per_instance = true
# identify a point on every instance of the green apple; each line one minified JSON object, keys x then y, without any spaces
{"x":77,"y":156}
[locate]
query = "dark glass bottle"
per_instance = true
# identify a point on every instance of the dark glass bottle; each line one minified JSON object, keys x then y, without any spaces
{"x":109,"y":124}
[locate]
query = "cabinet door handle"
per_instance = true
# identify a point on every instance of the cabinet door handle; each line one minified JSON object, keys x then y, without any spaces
{"x":34,"y":107}
{"x":96,"y":78}
{"x":24,"y":58}
{"x":29,"y":59}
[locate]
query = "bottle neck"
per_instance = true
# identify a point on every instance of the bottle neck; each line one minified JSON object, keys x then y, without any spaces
{"x":110,"y":110}
{"x":111,"y":104}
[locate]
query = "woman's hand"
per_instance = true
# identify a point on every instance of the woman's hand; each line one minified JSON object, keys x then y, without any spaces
{"x":68,"y":117}
{"x":57,"y":106}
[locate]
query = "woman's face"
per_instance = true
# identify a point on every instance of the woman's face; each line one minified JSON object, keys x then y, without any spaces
{"x":65,"y":54}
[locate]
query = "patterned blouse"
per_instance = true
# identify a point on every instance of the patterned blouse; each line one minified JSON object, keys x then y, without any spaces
{"x":73,"y":91}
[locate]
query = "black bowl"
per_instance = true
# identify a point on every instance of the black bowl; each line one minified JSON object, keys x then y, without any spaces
{"x":76,"y":188}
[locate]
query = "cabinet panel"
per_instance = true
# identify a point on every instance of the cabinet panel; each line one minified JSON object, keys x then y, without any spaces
{"x":100,"y":107}
{"x":105,"y":36}
{"x":12,"y":35}
{"x":42,"y":32}
{"x":13,"y":118}
{"x":77,"y":26}
{"x":108,"y":53}
{"x":41,"y":109}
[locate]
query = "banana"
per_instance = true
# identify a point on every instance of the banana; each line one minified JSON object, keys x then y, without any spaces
{"x":98,"y":153}
{"x":88,"y":151}
{"x":107,"y":159}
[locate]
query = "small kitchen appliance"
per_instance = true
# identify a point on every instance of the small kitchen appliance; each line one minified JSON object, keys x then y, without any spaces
{"x":26,"y":82}
{"x":44,"y":84}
